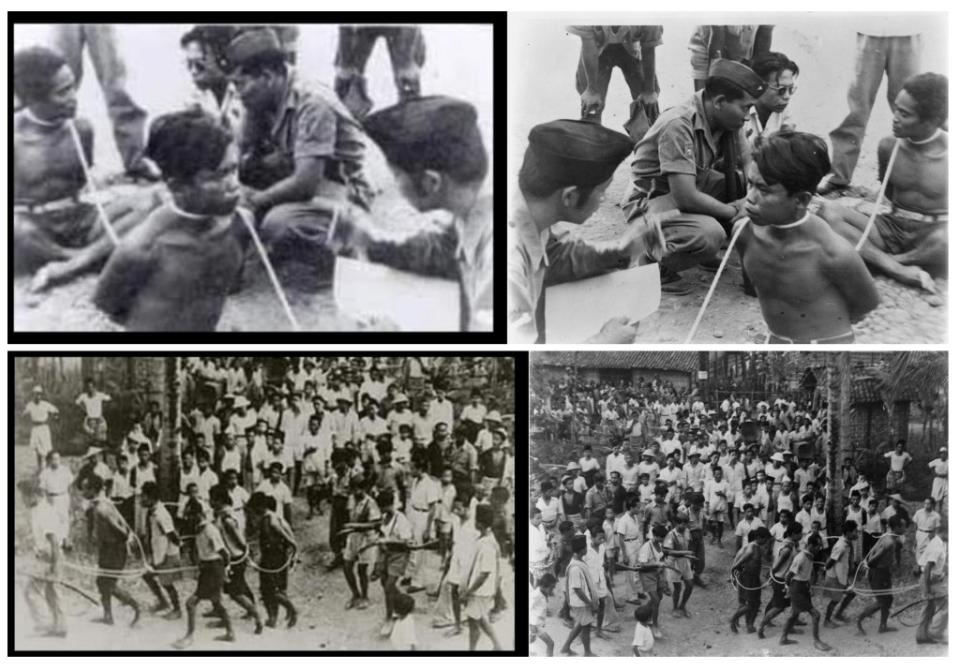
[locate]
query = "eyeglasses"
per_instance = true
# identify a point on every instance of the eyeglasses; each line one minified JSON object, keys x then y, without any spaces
{"x":783,"y":90}
{"x":195,"y":65}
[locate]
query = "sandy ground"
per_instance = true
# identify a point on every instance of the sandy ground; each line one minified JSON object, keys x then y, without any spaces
{"x":158,"y":81}
{"x":543,"y":89}
{"x":707,"y":632}
{"x":319,"y":595}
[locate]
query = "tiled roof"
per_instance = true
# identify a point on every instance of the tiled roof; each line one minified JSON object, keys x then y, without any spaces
{"x":686,"y":362}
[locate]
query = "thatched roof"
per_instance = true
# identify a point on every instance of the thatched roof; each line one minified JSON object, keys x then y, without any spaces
{"x":683,"y":362}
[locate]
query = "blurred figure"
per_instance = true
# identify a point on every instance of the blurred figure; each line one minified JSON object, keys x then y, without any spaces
{"x":709,"y":43}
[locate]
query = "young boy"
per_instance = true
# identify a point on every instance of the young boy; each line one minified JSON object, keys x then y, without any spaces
{"x":799,"y":578}
{"x":174,"y":272}
{"x":403,"y":635}
{"x":482,"y":578}
{"x":396,"y":534}
{"x":435,"y":150}
{"x":746,"y":570}
{"x":643,"y":638}
{"x":540,"y":595}
{"x":582,"y":597}
{"x":812,"y":284}
{"x":677,"y":548}
{"x":55,"y":233}
{"x":214,"y":558}
{"x":361,"y":549}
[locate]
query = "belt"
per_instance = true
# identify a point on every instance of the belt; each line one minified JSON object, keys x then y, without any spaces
{"x":815,"y":341}
{"x":49,"y":206}
{"x":421,"y":510}
{"x":919,"y":216}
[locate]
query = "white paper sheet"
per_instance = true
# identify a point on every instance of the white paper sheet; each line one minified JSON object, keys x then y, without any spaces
{"x":575,"y":311}
{"x":412,"y":302}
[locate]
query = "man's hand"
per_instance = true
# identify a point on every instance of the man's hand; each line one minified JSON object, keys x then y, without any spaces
{"x":644,"y":240}
{"x":918,"y":277}
{"x":741,"y":205}
{"x":617,"y":331}
{"x":650,"y":102}
{"x":591,"y":103}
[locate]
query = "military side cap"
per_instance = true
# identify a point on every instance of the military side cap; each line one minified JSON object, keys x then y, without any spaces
{"x":578,"y":152}
{"x":739,"y":75}
{"x":251,"y":44}
{"x":429,"y":133}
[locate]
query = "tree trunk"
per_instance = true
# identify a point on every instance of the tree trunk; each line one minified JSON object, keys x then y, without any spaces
{"x":840,"y":394}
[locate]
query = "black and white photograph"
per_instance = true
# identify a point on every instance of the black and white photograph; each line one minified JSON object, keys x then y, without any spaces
{"x":738,"y":504}
{"x":678,"y":182}
{"x":252,"y":178}
{"x":230,"y":504}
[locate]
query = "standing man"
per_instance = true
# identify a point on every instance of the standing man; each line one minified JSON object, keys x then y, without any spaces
{"x":301,"y":151}
{"x":688,"y":162}
{"x":407,"y":55}
{"x":128,"y":119}
{"x":633,"y":50}
{"x":938,"y":491}
{"x":879,"y":561}
{"x":885,"y":44}
{"x":735,"y":43}
{"x":92,"y":400}
{"x":40,"y":411}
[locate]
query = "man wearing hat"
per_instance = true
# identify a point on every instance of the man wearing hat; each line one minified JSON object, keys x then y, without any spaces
{"x":40,"y":411}
{"x":485,"y":436}
{"x":400,"y":414}
{"x":302,"y":151}
{"x":686,"y":161}
{"x":566,"y":169}
{"x":344,"y":423}
{"x":435,"y":149}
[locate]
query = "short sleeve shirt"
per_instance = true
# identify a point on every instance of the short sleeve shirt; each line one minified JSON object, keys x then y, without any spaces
{"x":93,"y":405}
{"x":897,"y":461}
{"x":926,"y":521}
{"x":40,"y":412}
{"x":840,"y":554}
{"x":802,"y":567}
{"x":628,"y":528}
{"x":485,"y":561}
{"x":935,"y":552}
{"x":161,"y":524}
{"x":209,"y":542}
{"x":403,"y":636}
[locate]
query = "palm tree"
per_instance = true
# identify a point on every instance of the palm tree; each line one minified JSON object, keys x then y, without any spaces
{"x":921,"y":377}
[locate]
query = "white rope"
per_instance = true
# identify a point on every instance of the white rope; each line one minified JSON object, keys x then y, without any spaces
{"x":91,"y":185}
{"x":716,"y":279}
{"x":248,"y":220}
{"x":876,"y":204}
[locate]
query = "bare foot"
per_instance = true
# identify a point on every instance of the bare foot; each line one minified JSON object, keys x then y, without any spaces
{"x":821,"y":646}
{"x":49,"y":275}
{"x":183,"y":643}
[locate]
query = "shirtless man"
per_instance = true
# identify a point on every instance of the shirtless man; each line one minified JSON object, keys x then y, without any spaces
{"x":811,"y":283}
{"x":909,"y":243}
{"x":56,"y":234}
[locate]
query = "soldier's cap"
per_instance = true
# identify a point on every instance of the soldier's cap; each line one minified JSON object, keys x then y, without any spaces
{"x":429,"y":133}
{"x":252,"y":44}
{"x":739,"y":75}
{"x":578,"y":152}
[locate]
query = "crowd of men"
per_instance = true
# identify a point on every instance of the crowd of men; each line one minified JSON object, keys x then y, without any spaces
{"x":731,"y":166}
{"x":258,"y":153}
{"x":675,"y":472}
{"x":411,"y":460}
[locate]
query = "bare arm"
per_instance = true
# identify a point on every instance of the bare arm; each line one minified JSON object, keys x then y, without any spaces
{"x":849,"y":274}
{"x":301,"y":185}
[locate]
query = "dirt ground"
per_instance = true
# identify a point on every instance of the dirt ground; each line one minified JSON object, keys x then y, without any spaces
{"x":158,"y":81}
{"x":707,"y":632}
{"x":320,"y":596}
{"x":544,"y":89}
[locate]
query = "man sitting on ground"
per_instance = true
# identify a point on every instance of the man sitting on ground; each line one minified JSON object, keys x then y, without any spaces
{"x":909,"y":242}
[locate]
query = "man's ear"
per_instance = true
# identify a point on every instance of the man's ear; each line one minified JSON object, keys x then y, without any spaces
{"x":803,"y":198}
{"x":570,"y":197}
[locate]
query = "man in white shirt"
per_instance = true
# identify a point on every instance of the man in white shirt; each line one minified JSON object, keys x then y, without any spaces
{"x":40,"y":411}
{"x":92,"y":400}
{"x":939,"y":488}
{"x":422,"y":509}
{"x":898,"y":462}
{"x":440,"y":408}
{"x":933,"y":626}
{"x":344,"y":423}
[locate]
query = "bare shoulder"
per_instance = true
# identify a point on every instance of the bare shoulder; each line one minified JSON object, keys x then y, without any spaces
{"x":836,"y":248}
{"x":885,"y":146}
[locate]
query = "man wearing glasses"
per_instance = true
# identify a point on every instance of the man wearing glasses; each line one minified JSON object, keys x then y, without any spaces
{"x":780,"y":75}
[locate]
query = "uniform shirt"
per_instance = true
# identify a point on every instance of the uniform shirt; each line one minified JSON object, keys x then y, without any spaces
{"x":532,"y":256}
{"x":403,"y":636}
{"x":40,"y":411}
{"x":161,"y":524}
{"x":679,"y":142}
{"x":841,"y":555}
{"x":209,"y":542}
{"x":173,"y":272}
{"x":936,"y":552}
{"x":92,"y":404}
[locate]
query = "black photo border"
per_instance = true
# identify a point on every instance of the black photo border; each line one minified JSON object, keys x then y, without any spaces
{"x":497,"y":20}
